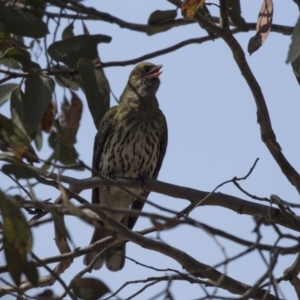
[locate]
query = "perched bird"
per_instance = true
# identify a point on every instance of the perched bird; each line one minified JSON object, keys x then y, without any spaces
{"x":131,"y":142}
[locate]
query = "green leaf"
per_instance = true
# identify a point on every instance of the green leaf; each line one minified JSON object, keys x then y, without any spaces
{"x":8,"y":40}
{"x":16,"y":101}
{"x":68,"y":31}
{"x":22,"y":56}
{"x":46,"y":294}
{"x":17,"y":238}
{"x":5,"y":91}
{"x":96,"y":88}
{"x":18,"y":171}
{"x":294,"y":51}
{"x":89,"y":288}
{"x":234,"y":13}
{"x":67,"y":81}
{"x":31,"y":272}
{"x":21,"y":23}
{"x":12,"y":138}
{"x":10,"y":63}
{"x":38,"y":140}
{"x":64,"y":150}
{"x":38,"y":94}
{"x":38,"y":5}
{"x":296,"y":69}
{"x":69,"y":51}
{"x":161,"y":16}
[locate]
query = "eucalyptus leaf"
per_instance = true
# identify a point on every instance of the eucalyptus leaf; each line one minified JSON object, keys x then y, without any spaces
{"x":16,"y":102}
{"x":31,"y":273}
{"x":68,"y":31}
{"x":10,"y":63}
{"x":38,"y":140}
{"x":12,"y":138}
{"x":89,"y":288}
{"x":8,"y":40}
{"x":69,"y":51}
{"x":38,"y":94}
{"x":294,"y":51}
{"x":67,"y":81}
{"x":96,"y":88}
{"x":14,"y":20}
{"x":5,"y":91}
{"x":17,"y":237}
{"x":161,"y":16}
{"x":64,"y":150}
{"x":22,"y":56}
{"x":19,"y":171}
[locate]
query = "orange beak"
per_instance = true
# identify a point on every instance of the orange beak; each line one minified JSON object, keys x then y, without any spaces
{"x":154,"y":72}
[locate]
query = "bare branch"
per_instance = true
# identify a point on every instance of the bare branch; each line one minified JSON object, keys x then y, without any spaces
{"x":236,"y":204}
{"x":193,"y":266}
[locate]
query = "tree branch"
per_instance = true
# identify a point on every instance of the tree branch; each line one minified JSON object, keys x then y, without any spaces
{"x":87,"y":13}
{"x":238,"y":205}
{"x":193,"y":266}
{"x":235,"y":204}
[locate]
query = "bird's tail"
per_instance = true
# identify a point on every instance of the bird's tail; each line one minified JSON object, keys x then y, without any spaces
{"x":99,"y":234}
{"x":115,"y":257}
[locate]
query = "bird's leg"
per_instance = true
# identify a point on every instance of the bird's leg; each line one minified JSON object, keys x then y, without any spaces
{"x":141,"y":179}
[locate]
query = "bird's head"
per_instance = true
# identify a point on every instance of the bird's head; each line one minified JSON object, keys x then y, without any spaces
{"x":144,"y":79}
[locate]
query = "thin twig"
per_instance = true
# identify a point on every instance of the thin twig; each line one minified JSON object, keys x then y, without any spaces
{"x":57,"y":277}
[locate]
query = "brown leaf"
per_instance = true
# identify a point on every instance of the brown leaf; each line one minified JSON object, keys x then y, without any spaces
{"x":189,"y":7}
{"x":48,"y":118}
{"x":263,"y":26}
{"x":70,"y":118}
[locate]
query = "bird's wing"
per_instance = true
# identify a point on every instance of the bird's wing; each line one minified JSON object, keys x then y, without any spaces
{"x":100,"y":138}
{"x":138,"y":204}
{"x":163,"y":149}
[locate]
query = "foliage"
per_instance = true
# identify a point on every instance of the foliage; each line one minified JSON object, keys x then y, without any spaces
{"x":73,"y":65}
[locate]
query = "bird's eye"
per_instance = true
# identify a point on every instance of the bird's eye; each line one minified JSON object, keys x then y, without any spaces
{"x":137,"y":73}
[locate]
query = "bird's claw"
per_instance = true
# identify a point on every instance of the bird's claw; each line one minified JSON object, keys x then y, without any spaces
{"x":141,"y":179}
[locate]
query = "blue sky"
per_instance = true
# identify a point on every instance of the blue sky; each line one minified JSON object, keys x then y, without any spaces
{"x":213,"y":136}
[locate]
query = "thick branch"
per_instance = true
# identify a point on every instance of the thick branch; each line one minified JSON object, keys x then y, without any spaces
{"x":238,"y":205}
{"x":235,"y":204}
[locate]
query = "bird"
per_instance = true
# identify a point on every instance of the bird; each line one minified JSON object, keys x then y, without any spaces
{"x":131,"y":142}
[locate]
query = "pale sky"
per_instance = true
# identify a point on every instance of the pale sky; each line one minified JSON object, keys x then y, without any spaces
{"x":213,"y":136}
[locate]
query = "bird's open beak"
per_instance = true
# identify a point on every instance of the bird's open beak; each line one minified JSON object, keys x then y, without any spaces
{"x":154,"y":72}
